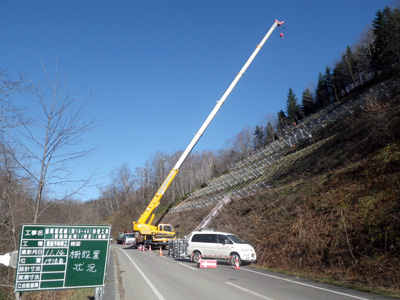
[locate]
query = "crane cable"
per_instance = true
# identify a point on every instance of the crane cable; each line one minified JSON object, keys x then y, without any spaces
{"x":287,"y":56}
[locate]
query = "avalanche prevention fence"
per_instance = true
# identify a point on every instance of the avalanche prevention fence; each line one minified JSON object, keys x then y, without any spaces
{"x":245,"y":177}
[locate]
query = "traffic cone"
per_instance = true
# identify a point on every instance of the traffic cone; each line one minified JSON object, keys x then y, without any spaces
{"x":160,"y":253}
{"x":237,"y":267}
{"x":150,"y":248}
{"x":199,"y":261}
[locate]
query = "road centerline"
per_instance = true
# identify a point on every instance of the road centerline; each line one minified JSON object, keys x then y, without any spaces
{"x":248,"y":291}
{"x":185,"y":265}
{"x":308,"y":285}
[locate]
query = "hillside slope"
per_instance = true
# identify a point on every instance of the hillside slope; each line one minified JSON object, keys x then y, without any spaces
{"x":332,"y":209}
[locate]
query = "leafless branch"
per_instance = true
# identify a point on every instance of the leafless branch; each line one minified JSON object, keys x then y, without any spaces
{"x":50,"y":142}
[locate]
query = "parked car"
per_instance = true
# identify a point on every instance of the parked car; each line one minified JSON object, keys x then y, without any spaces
{"x":129,"y":239}
{"x":120,"y":238}
{"x":126,"y":238}
{"x":221,"y":246}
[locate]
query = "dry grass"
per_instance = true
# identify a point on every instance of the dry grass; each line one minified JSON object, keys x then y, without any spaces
{"x":334,"y":211}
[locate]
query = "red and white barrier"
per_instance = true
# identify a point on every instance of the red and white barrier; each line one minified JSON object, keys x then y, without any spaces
{"x":207,"y":263}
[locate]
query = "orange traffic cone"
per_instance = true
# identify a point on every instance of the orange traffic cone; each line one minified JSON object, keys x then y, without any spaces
{"x":150,"y":248}
{"x":160,"y":253}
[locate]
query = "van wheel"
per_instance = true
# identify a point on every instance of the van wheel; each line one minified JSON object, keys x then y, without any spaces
{"x":196,"y":257}
{"x":233,"y":258}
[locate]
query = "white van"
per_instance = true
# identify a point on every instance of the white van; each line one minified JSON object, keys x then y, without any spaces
{"x":221,"y":246}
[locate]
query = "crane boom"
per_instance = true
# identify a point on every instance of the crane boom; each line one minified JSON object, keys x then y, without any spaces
{"x":143,"y":225}
{"x":221,"y":101}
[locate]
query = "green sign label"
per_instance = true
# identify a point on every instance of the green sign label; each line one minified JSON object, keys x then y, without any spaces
{"x":62,"y":256}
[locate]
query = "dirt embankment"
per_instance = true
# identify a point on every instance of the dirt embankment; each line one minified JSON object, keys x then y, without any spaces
{"x":334,"y":209}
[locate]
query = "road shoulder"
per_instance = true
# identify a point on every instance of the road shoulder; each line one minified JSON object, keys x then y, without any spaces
{"x":111,"y":287}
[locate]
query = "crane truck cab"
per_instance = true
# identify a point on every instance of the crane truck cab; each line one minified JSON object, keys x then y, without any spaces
{"x":221,"y":246}
{"x":153,"y":235}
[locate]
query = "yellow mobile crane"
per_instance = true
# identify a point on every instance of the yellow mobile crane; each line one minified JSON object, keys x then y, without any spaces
{"x":145,"y":232}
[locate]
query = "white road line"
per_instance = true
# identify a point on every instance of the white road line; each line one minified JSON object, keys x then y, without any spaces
{"x":152,"y":287}
{"x":185,"y":265}
{"x":308,"y":285}
{"x":248,"y":291}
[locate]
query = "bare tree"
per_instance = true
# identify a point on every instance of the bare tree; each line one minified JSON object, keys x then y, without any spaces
{"x":120,"y":192}
{"x":9,"y":85}
{"x":242,"y":142}
{"x":13,"y":192}
{"x":126,"y":184}
{"x":13,"y":198}
{"x":53,"y":140}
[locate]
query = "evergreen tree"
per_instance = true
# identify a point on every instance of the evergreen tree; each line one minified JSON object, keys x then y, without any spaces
{"x":339,"y":80}
{"x":350,"y":60}
{"x":386,"y":46}
{"x":324,"y":92}
{"x":307,"y":103}
{"x":345,"y":75}
{"x":363,"y":53}
{"x":319,"y":92}
{"x":292,"y":108}
{"x":259,"y":138}
{"x":282,"y":123}
{"x":270,"y":134}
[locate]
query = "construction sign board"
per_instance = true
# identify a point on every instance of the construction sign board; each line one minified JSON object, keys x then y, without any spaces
{"x":62,"y":256}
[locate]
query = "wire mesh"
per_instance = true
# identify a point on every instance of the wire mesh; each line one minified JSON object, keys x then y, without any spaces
{"x":255,"y":165}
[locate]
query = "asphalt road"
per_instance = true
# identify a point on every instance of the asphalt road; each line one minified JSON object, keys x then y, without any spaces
{"x":146,"y":275}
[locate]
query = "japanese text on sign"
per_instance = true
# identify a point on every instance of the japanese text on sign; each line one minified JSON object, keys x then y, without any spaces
{"x":62,"y":256}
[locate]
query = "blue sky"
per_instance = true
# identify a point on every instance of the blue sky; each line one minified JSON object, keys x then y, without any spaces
{"x":156,"y":68}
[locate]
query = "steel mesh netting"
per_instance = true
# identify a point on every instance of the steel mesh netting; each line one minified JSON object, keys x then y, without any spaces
{"x":238,"y":182}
